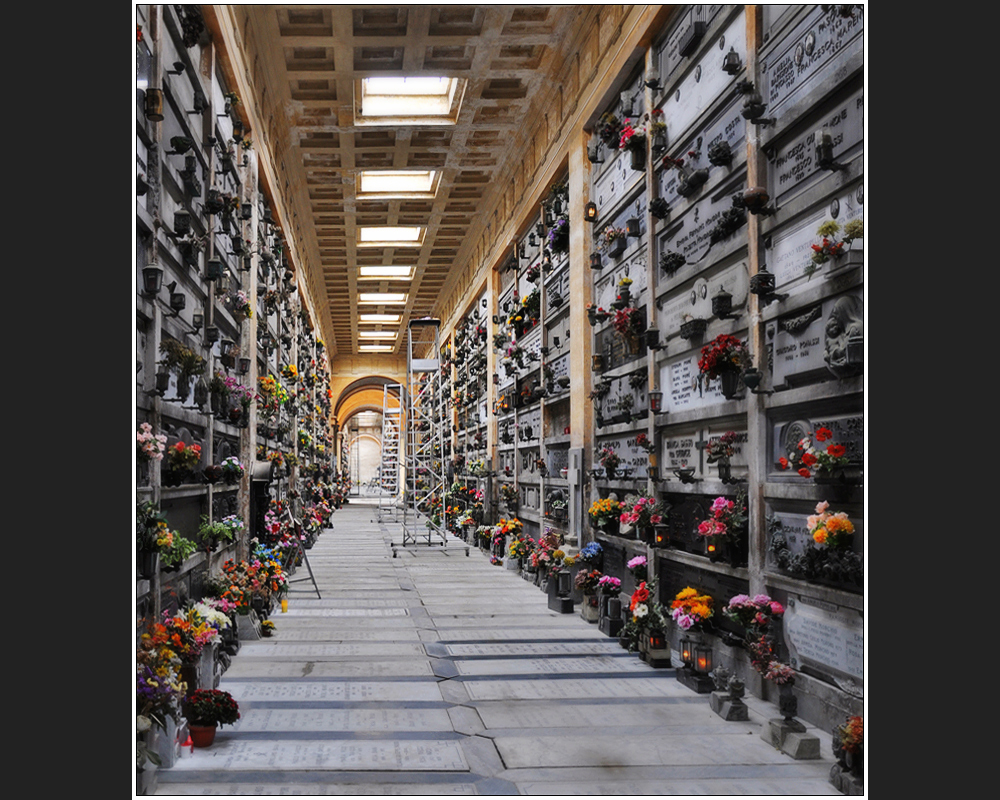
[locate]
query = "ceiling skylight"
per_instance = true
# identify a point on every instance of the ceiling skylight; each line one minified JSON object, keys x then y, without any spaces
{"x":389,"y":273}
{"x":380,"y":317}
{"x":397,"y":183}
{"x":375,"y":348}
{"x":376,"y":334}
{"x":391,"y":236}
{"x":382,"y":298}
{"x":392,"y":100}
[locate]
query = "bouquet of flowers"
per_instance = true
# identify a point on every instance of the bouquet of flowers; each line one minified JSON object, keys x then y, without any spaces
{"x":829,"y":247}
{"x":608,"y":584}
{"x":558,"y":236}
{"x":151,"y":530}
{"x":149,"y":446}
{"x":628,"y":322}
{"x":807,"y":457}
{"x":638,"y":567}
{"x":609,"y":234}
{"x":724,"y":352}
{"x":632,"y":137}
{"x":603,"y":510}
{"x":690,"y":609}
{"x":722,"y":449}
{"x":753,"y":613}
{"x":727,"y":517}
{"x":587,"y":581}
{"x":593,"y":553}
{"x":641,"y":512}
{"x":240,"y":305}
{"x":780,"y":674}
{"x":183,"y":456}
{"x":518,"y":549}
{"x":851,"y":735}
{"x":232,"y":469}
{"x":609,"y":459}
{"x":832,"y":530}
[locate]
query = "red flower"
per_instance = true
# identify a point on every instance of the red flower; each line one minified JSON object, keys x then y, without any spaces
{"x":805,"y":473}
{"x":822,"y":434}
{"x":783,"y":462}
{"x":836,"y":450}
{"x":808,"y":459}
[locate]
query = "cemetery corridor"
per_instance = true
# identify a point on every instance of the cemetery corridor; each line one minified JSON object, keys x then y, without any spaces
{"x":437,"y":673}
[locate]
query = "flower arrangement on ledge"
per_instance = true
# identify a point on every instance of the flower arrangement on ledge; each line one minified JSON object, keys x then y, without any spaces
{"x":807,"y":458}
{"x":628,"y":323}
{"x":608,"y":459}
{"x":610,"y":235}
{"x":212,"y":707}
{"x":604,"y":510}
{"x":558,"y":236}
{"x":639,"y":567}
{"x":833,"y":530}
{"x":149,"y":446}
{"x":829,"y":247}
{"x":588,"y":581}
{"x":725,"y":353}
{"x":727,"y":516}
{"x":641,"y":512}
{"x":757,"y":616}
{"x":240,"y":305}
{"x":691,"y":610}
{"x":632,"y":137}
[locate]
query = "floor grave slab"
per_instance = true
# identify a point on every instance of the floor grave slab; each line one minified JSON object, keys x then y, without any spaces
{"x":264,"y":668}
{"x":257,"y":755}
{"x":536,"y":751}
{"x":536,"y":648}
{"x":545,"y":666}
{"x":277,"y":649}
{"x":427,"y":691}
{"x":325,"y":788}
{"x":351,"y":720}
{"x":288,"y":633}
{"x":570,"y":688}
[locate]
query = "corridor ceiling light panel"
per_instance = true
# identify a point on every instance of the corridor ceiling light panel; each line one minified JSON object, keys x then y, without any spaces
{"x":375,"y":348}
{"x":388,"y":184}
{"x":387,"y":273}
{"x":380,"y":317}
{"x":398,"y":100}
{"x":391,"y":236}
{"x":382,"y":298}
{"x":376,"y":334}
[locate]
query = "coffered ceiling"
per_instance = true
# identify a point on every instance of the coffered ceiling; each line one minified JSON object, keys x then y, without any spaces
{"x":306,"y":64}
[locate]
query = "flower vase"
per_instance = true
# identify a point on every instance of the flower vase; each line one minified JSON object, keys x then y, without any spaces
{"x":638,"y":155}
{"x":788,"y":704}
{"x":617,"y":247}
{"x":202,"y":735}
{"x":148,"y":562}
{"x":589,"y":609}
{"x":730,"y":383}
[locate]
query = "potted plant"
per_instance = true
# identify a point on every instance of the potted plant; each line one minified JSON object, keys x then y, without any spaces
{"x":206,"y":710}
{"x":232,"y":470}
{"x":725,"y":358}
{"x":174,"y":555}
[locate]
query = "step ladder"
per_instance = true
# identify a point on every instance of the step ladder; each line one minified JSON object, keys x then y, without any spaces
{"x":425,"y":521}
{"x":388,"y":472}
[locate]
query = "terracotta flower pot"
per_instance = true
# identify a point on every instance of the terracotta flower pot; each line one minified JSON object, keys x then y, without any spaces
{"x":202,"y":735}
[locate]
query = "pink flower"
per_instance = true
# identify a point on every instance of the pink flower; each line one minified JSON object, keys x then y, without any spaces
{"x":821,"y":507}
{"x":656,"y":519}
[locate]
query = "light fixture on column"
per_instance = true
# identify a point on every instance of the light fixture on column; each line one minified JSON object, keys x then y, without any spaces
{"x":656,"y":401}
{"x":590,"y":212}
{"x":596,"y":262}
{"x":152,"y":104}
{"x":653,"y":79}
{"x":597,"y":362}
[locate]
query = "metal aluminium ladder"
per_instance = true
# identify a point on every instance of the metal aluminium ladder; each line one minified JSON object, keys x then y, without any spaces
{"x":424,"y":509}
{"x":388,"y":475}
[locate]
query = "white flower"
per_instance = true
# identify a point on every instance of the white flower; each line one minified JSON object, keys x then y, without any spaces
{"x":640,"y":611}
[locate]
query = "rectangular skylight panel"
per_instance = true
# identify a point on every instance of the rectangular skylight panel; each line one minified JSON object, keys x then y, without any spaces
{"x":388,"y":272}
{"x":382,"y":298}
{"x":380,"y":317}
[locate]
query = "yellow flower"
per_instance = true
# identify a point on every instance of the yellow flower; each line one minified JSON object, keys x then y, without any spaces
{"x":820,"y":536}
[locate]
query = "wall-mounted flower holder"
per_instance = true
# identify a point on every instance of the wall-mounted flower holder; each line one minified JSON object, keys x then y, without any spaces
{"x":693,"y":329}
{"x":685,"y":474}
{"x":672,"y":261}
{"x":720,"y":154}
{"x":659,"y":208}
{"x":689,"y":184}
{"x":762,"y":284}
{"x":732,"y":63}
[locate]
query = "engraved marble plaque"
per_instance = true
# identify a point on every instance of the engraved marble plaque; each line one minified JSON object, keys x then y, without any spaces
{"x":705,"y":82}
{"x":790,"y":248}
{"x":800,"y":61}
{"x":681,"y":388}
{"x":824,"y":635}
